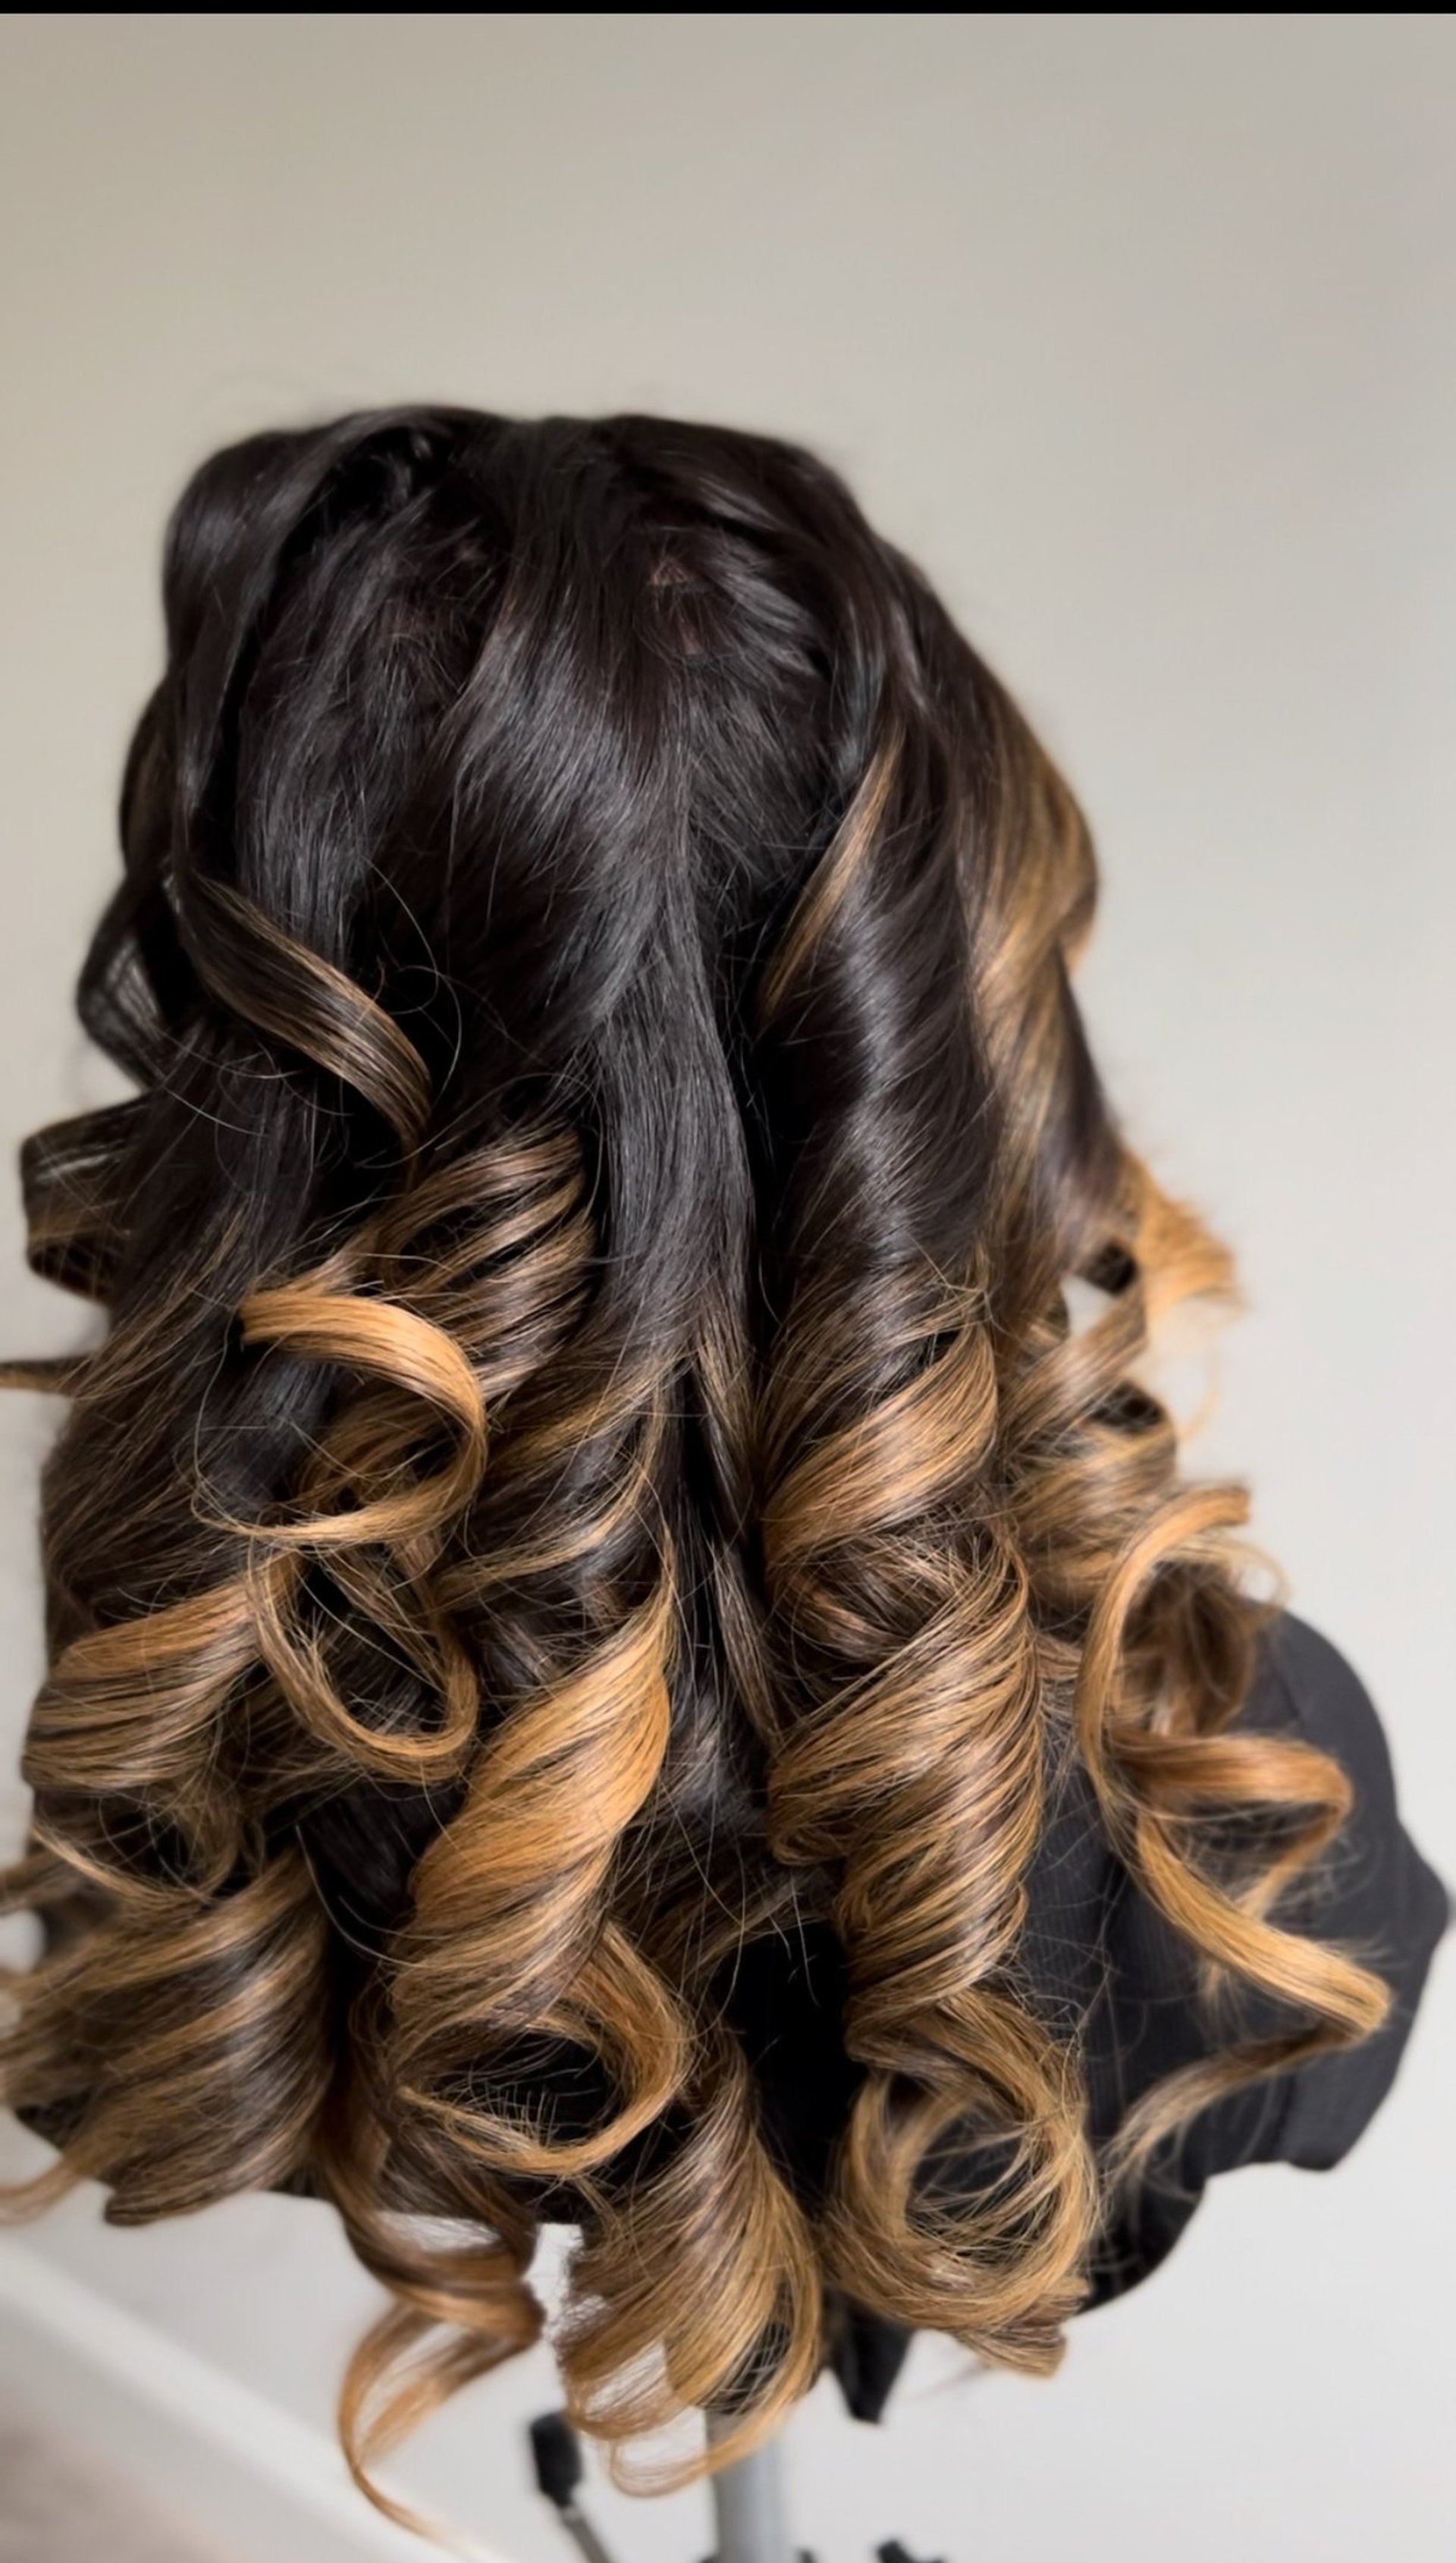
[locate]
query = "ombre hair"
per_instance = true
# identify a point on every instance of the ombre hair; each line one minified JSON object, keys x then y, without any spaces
{"x":590,"y":1466}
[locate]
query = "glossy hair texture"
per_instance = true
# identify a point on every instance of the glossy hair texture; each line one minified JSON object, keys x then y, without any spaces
{"x":590,"y":1465}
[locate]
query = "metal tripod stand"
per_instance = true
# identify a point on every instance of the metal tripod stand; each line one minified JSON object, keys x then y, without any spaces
{"x":750,"y":2509}
{"x":750,"y":2512}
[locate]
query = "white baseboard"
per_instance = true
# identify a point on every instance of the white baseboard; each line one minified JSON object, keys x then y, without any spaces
{"x":264,"y":2487}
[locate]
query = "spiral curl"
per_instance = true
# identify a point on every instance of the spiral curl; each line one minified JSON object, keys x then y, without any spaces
{"x":911,"y":1762}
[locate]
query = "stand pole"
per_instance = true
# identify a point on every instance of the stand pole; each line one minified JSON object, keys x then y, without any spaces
{"x":748,"y":2505}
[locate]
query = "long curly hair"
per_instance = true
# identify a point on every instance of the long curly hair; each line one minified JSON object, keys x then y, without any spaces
{"x":590,"y":1468}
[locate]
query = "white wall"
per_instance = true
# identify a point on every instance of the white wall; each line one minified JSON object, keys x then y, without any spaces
{"x":1137,"y":329}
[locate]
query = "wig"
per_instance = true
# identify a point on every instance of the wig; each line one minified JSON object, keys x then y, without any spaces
{"x":590,"y":1474}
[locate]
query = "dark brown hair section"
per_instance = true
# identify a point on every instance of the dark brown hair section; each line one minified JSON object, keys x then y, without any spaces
{"x":589,"y":1466}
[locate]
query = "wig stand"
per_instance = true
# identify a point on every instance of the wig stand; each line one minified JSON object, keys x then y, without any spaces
{"x":749,"y":2511}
